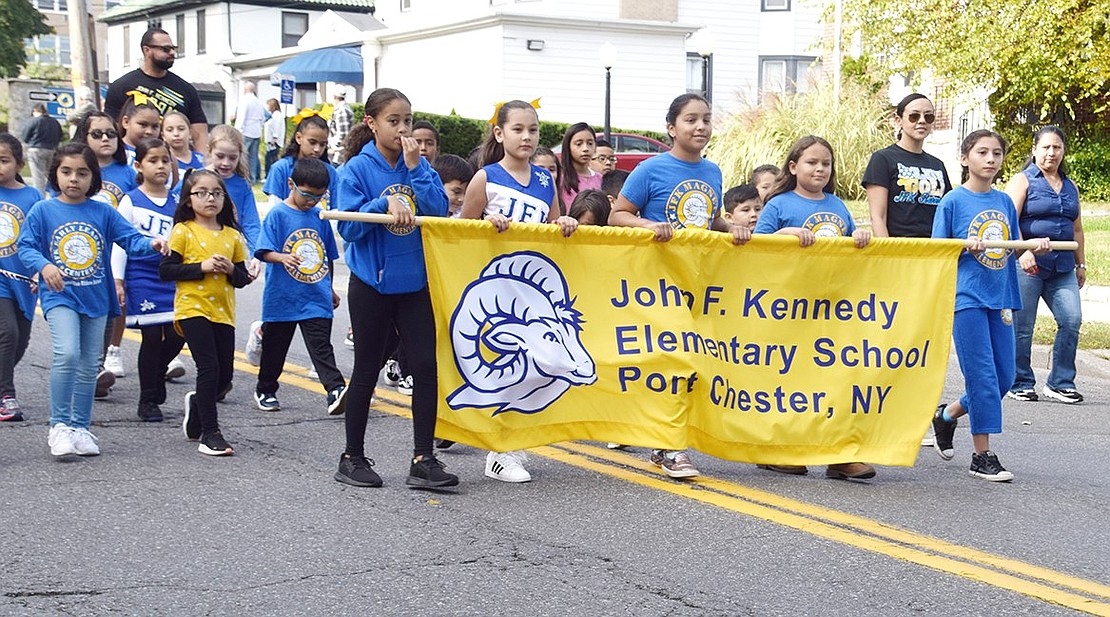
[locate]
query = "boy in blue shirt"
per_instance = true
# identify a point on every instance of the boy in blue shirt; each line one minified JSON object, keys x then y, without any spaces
{"x":299,"y":250}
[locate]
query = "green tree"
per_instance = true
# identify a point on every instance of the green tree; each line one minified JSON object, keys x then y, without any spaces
{"x":19,"y":20}
{"x":1042,"y":59}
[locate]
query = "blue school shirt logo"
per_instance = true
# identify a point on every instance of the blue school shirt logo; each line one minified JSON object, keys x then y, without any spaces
{"x":691,"y":204}
{"x":408,"y":197}
{"x":307,"y":244}
{"x":515,"y":337}
{"x":110,"y":194}
{"x":11,"y":221}
{"x":826,"y":225}
{"x":76,"y":250}
{"x":991,"y":225}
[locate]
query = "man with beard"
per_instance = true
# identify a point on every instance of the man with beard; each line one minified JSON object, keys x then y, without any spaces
{"x":164,"y":89}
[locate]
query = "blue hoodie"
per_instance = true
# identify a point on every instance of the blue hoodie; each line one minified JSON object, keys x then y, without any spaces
{"x":388,"y":258}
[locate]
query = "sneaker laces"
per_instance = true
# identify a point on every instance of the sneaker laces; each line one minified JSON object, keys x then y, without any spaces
{"x":520,"y":456}
{"x":361,"y":462}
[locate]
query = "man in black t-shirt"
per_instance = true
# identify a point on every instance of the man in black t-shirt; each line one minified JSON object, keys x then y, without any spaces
{"x":166,"y":90}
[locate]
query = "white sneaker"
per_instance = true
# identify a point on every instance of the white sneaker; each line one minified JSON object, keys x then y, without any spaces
{"x":254,"y":344}
{"x":391,"y":373}
{"x":507,"y":467}
{"x":175,"y":369}
{"x":84,"y":442}
{"x":113,"y":361}
{"x":61,"y":440}
{"x":405,"y":385}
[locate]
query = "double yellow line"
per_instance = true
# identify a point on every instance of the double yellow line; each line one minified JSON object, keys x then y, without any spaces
{"x":849,"y":529}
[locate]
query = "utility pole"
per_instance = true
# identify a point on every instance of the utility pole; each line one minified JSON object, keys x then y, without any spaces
{"x":81,"y":48}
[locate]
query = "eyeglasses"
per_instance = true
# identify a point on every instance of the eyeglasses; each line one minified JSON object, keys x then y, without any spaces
{"x":604,"y":158}
{"x":203,"y":194}
{"x":99,"y":134}
{"x":311,"y":197}
{"x":165,"y":48}
{"x":914,"y":116}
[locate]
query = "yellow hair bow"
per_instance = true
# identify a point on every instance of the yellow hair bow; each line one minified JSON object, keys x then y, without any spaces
{"x":497,"y":109}
{"x":140,"y":98}
{"x":308,"y":112}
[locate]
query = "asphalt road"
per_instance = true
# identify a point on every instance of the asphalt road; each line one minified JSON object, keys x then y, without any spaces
{"x":151,"y":527}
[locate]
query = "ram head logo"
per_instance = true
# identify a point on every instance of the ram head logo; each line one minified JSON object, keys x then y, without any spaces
{"x":516,"y":340}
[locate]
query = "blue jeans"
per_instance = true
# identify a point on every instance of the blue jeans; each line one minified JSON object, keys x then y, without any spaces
{"x":253,"y":163}
{"x":1061,"y":294}
{"x":76,"y":339}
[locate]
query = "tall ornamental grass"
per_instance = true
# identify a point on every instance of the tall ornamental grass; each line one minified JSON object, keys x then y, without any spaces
{"x":856,"y":125}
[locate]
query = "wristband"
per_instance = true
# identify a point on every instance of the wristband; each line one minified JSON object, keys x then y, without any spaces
{"x":1080,"y":266}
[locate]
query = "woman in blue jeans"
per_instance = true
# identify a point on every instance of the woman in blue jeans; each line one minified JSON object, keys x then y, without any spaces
{"x":1047,"y":202}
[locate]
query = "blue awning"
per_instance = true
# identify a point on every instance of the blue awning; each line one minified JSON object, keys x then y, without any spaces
{"x":339,"y":64}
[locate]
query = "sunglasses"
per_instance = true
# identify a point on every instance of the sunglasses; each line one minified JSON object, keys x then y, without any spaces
{"x":165,"y":48}
{"x":310,"y":197}
{"x":914,"y":116}
{"x":203,"y":194}
{"x":101,"y":134}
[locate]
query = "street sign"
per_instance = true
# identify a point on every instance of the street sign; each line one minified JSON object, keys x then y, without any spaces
{"x":59,"y":100}
{"x":287,"y":86}
{"x":39,"y":95}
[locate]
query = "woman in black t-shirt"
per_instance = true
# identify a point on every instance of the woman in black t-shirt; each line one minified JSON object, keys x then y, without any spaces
{"x":903,"y":183}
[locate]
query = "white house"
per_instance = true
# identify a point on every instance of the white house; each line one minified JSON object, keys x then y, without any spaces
{"x":467,"y":55}
{"x":209,"y":33}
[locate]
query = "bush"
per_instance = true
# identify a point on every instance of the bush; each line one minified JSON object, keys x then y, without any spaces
{"x":855,"y":125}
{"x":1088,"y":161}
{"x":459,"y":135}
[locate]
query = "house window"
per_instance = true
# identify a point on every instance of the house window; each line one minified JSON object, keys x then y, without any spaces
{"x":406,"y":5}
{"x":699,"y":74}
{"x":51,"y":5}
{"x":111,"y":4}
{"x":775,"y":5}
{"x":293,"y":27}
{"x":49,"y":49}
{"x":181,"y":35}
{"x":786,"y":74}
{"x":154,"y":23}
{"x":202,"y":43}
{"x":127,"y":45}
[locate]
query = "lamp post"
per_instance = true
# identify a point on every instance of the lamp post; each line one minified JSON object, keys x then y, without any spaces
{"x":608,"y":56}
{"x":705,"y":50}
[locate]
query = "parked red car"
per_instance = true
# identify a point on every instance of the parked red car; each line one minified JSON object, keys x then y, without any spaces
{"x":629,"y":148}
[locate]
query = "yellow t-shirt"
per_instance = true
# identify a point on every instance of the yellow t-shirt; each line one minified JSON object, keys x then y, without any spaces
{"x":212,"y":297}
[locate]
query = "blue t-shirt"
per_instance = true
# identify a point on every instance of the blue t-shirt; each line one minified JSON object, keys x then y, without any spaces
{"x":116,"y":181}
{"x":149,"y":298}
{"x":76,"y":238}
{"x":520,"y":203}
{"x":14,"y":205}
{"x":303,"y":292}
{"x":277,"y":181}
{"x":130,"y":150}
{"x":242,"y":195}
{"x":988,"y":280}
{"x":670,"y":190}
{"x":196,"y":161}
{"x":827,"y":217}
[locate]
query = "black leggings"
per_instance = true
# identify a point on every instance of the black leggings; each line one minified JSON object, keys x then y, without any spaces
{"x":374,"y":315}
{"x":213,"y":349}
{"x":161,"y":344}
{"x":15,"y":334}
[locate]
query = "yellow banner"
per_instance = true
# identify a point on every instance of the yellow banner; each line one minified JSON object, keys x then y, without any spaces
{"x":765,"y":353}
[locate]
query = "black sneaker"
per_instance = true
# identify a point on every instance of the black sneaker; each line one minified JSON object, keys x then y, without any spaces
{"x":987,"y":467}
{"x":1023,"y":394}
{"x":428,"y":473}
{"x":191,"y":424}
{"x":266,"y":402}
{"x":337,"y":401}
{"x":214,"y":444}
{"x":1067,"y":396}
{"x":222,"y":394}
{"x":104,"y":381}
{"x":149,"y":412}
{"x":357,"y":471}
{"x":443,"y":444}
{"x":943,"y":432}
